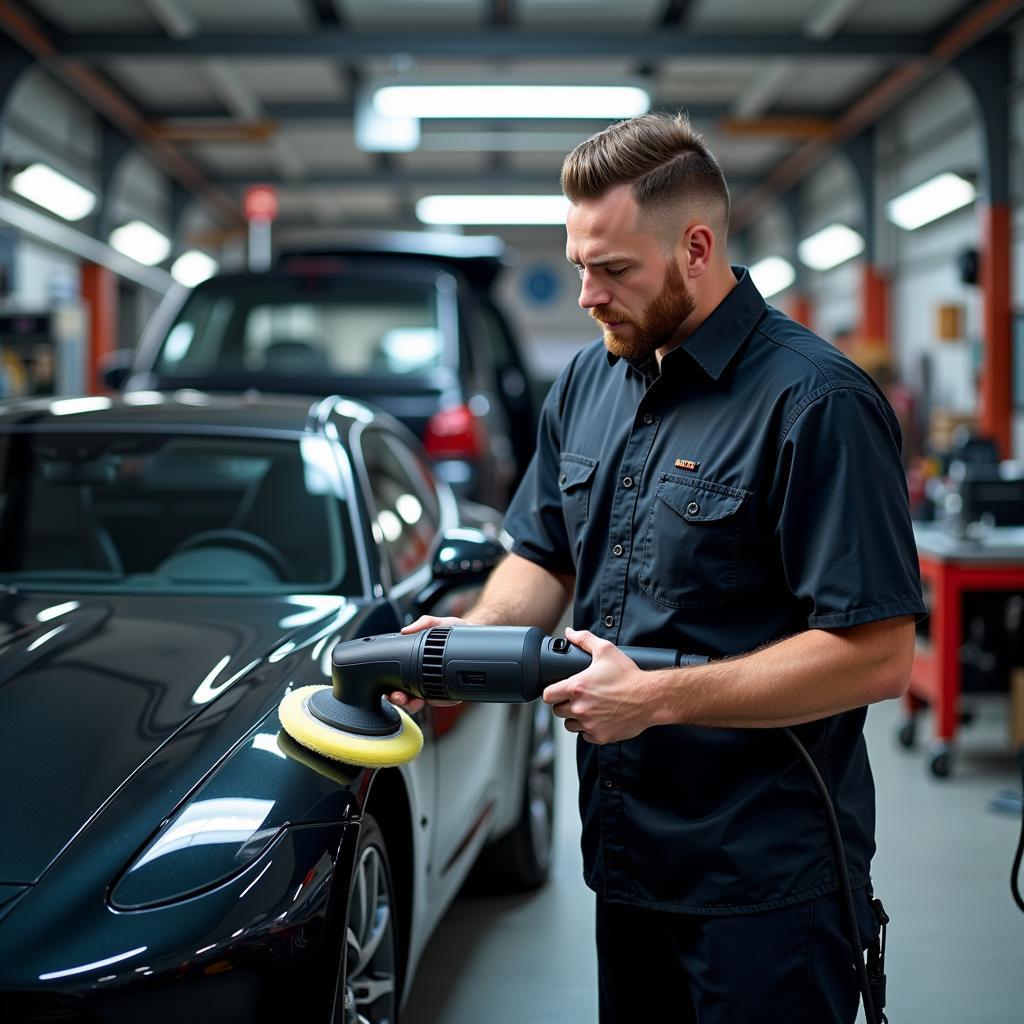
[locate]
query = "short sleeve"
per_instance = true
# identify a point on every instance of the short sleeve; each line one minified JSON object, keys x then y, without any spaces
{"x":844,"y":534}
{"x":534,"y":519}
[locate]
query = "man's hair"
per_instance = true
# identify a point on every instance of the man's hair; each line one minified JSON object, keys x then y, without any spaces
{"x":665,"y":161}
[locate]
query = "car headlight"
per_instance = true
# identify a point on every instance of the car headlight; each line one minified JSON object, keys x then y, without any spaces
{"x":229,"y":821}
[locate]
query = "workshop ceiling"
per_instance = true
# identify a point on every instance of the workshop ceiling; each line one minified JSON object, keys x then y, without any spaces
{"x":254,"y":91}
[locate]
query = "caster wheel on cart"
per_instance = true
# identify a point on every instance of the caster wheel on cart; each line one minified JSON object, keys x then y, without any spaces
{"x":906,"y":735}
{"x":940,"y":763}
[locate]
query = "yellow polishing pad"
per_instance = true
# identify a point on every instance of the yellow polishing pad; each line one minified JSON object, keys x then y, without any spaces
{"x":370,"y":751}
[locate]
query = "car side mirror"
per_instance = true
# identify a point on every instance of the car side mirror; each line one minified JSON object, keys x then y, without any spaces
{"x":115,"y":367}
{"x":463,"y":556}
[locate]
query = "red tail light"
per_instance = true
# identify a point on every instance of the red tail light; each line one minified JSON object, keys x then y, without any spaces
{"x":455,"y":434}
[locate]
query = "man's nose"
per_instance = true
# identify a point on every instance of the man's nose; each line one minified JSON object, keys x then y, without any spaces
{"x":591,"y":293}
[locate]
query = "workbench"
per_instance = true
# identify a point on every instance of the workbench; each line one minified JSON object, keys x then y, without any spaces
{"x":951,"y":565}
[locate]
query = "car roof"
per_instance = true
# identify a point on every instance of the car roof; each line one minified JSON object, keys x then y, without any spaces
{"x":480,"y":258}
{"x":253,"y":411}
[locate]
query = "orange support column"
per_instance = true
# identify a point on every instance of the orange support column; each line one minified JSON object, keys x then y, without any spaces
{"x":800,"y":310}
{"x":99,"y":292}
{"x":874,"y":308}
{"x":995,"y":388}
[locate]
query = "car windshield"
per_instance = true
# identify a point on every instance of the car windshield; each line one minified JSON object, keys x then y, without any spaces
{"x":305,"y":326}
{"x":172,"y":512}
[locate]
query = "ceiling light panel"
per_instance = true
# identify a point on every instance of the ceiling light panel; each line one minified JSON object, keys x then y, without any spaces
{"x":830,"y":246}
{"x":929,"y":201}
{"x":602,"y":102}
{"x":142,"y":242}
{"x":48,"y":188}
{"x":495,"y":210}
{"x":772,"y":275}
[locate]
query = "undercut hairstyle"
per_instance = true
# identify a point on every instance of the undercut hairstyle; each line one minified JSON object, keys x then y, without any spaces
{"x":667,"y":164}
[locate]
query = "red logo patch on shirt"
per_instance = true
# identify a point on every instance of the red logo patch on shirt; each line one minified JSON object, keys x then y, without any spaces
{"x":687,"y":464}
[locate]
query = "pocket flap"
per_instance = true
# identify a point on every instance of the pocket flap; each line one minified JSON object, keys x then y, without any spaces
{"x":698,"y":505}
{"x":575,"y":470}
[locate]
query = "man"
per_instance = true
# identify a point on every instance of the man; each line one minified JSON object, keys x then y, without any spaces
{"x":716,"y":479}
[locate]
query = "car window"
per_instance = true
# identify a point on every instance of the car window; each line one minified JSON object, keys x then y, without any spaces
{"x":408,"y":514}
{"x":304,"y":327}
{"x":166,"y":512}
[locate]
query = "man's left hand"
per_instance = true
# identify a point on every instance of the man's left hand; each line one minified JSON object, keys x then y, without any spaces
{"x":611,"y":700}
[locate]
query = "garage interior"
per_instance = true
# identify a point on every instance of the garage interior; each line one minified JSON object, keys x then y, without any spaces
{"x":192,"y":138}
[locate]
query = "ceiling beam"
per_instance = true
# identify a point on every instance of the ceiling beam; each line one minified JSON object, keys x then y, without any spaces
{"x":521,"y":44}
{"x":342,"y":112}
{"x":475,"y":183}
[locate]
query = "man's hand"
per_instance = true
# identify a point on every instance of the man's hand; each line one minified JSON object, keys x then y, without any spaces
{"x":413,"y":704}
{"x":611,"y":700}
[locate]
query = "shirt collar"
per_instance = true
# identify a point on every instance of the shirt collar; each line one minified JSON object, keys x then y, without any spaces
{"x":716,"y":341}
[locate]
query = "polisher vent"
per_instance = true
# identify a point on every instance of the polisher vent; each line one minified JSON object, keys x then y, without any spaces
{"x":433,"y":663}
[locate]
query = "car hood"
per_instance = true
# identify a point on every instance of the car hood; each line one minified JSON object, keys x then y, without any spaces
{"x":91,"y":688}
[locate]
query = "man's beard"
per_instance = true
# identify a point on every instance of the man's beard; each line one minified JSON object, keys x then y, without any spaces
{"x":660,"y":320}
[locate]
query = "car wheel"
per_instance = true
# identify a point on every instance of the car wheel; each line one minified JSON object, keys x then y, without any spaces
{"x":369,"y":985}
{"x":521,"y":859}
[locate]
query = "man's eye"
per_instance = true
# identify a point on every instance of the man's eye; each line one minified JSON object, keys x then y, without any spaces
{"x":616,"y":271}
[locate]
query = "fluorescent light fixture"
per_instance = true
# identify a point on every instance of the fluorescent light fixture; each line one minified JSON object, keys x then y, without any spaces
{"x":772,"y":275}
{"x":830,"y":246}
{"x":141,"y":242}
{"x":519,"y":101}
{"x":927,"y":202}
{"x":50,"y":189}
{"x":193,"y":266}
{"x":492,"y":209}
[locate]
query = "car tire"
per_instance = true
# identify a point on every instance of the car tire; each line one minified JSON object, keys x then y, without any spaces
{"x":368,"y":986}
{"x":521,"y":859}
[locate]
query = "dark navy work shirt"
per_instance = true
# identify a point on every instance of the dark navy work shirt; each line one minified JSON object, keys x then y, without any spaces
{"x":750,"y":491}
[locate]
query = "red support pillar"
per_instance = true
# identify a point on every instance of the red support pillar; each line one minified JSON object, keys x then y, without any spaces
{"x":995,"y":399}
{"x":99,"y":292}
{"x":874,"y":306}
{"x":801,"y":310}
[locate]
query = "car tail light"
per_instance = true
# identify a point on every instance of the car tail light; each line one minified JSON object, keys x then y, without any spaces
{"x":456,"y":433}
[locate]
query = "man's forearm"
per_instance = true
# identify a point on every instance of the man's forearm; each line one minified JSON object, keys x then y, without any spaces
{"x":520,"y":593}
{"x":800,"y":679}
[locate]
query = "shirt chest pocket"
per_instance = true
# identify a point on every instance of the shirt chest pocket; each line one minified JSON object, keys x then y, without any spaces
{"x":576,"y":481}
{"x":692,"y":542}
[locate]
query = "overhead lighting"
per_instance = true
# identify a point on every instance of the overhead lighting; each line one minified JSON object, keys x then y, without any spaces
{"x":141,"y":242}
{"x":492,"y":209}
{"x":772,"y":275}
{"x":50,"y":189}
{"x":830,"y":246}
{"x":192,"y":267}
{"x":929,"y":201}
{"x":513,"y":101}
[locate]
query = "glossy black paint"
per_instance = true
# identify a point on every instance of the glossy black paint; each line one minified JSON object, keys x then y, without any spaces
{"x":118,"y":711}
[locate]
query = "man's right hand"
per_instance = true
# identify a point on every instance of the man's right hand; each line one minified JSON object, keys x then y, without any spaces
{"x":413,"y":704}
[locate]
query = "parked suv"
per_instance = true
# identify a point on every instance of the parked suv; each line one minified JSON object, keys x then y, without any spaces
{"x":404,"y":321}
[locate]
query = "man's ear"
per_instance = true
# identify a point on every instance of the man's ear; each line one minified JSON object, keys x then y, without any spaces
{"x":698,"y":248}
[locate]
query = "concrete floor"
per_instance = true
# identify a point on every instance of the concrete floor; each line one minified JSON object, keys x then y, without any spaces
{"x":943,"y":866}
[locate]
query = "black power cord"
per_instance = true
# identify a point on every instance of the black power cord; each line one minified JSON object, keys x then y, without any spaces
{"x":1015,"y":872}
{"x":872,"y":984}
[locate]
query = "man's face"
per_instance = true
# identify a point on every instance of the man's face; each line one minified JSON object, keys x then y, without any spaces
{"x":631,"y":285}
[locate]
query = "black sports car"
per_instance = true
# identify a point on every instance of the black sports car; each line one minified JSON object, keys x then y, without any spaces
{"x":170,"y":565}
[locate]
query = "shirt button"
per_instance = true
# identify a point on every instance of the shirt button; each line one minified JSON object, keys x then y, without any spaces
{"x":617,"y":550}
{"x":607,"y":783}
{"x":609,"y":621}
{"x":627,"y":481}
{"x":563,"y":478}
{"x":648,"y":418}
{"x":693,"y":508}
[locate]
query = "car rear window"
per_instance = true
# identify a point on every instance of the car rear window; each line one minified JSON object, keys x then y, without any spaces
{"x":306,"y":326}
{"x":167,"y":512}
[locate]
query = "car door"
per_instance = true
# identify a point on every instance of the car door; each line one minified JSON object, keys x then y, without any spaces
{"x":409,"y":511}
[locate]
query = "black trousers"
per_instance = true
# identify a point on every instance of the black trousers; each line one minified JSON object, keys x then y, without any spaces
{"x":792,"y":965}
